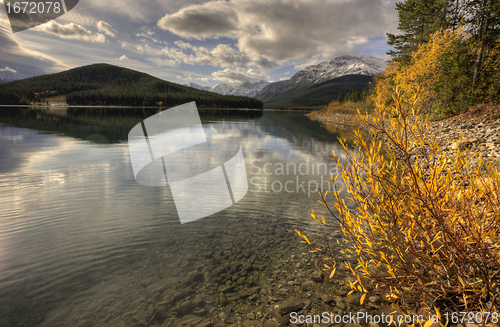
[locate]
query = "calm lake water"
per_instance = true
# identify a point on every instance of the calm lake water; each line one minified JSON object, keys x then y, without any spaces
{"x":82,"y":243}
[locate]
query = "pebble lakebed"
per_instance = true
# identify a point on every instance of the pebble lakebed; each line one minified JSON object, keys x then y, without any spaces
{"x":240,"y":276}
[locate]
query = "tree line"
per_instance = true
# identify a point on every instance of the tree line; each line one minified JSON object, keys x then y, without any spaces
{"x":102,"y":84}
{"x":353,"y":96}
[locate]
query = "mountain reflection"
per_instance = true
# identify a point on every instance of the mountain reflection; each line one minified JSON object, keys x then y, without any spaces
{"x":100,"y":125}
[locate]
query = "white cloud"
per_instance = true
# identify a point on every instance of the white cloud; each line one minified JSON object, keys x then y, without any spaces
{"x":284,"y":78}
{"x":311,"y":62}
{"x":124,"y":57}
{"x":220,"y":56}
{"x":72,"y":17}
{"x":145,"y":50}
{"x":188,"y":76}
{"x":150,"y":35}
{"x":282,"y":30}
{"x":71,"y":31}
{"x":105,"y":28}
{"x":7,"y":69}
{"x":239,"y":75}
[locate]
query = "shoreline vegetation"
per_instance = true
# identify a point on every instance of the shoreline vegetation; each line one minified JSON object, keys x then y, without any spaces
{"x":61,"y":107}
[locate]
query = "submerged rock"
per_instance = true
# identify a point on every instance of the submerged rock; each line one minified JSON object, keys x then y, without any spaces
{"x":290,"y":305}
{"x":194,"y":277}
{"x":183,"y":308}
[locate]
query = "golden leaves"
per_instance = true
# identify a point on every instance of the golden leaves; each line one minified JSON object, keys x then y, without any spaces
{"x":333,"y":272}
{"x":304,"y":238}
{"x":423,"y":223}
{"x":362,"y":299}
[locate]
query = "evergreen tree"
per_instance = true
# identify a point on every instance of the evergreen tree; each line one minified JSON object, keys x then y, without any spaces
{"x":418,"y":20}
{"x":484,"y":24}
{"x":340,"y":98}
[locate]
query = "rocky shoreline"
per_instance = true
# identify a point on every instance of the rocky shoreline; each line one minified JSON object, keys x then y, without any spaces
{"x":480,"y":128}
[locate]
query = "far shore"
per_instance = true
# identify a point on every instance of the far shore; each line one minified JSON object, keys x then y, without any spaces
{"x":59,"y":107}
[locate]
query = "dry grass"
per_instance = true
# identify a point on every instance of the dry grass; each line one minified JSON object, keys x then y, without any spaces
{"x":344,"y":115}
{"x":346,"y":108}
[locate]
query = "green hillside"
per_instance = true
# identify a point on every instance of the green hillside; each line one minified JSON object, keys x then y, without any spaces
{"x":103,"y":84}
{"x":318,"y":95}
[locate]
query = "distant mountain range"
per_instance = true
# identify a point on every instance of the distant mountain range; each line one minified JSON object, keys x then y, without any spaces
{"x":310,"y":88}
{"x":9,"y":75}
{"x":248,"y":89}
{"x":323,"y":72}
{"x":316,"y":96}
{"x":313,"y":86}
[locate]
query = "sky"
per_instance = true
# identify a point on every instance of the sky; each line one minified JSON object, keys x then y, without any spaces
{"x":204,"y":42}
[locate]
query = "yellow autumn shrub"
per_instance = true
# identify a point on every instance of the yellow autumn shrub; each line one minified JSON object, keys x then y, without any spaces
{"x":384,"y":84}
{"x":426,"y":231}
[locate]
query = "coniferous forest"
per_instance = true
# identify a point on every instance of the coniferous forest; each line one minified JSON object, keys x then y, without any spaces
{"x":103,"y":84}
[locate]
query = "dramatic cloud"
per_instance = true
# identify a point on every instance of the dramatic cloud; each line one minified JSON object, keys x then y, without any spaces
{"x":203,"y":21}
{"x":137,"y":11}
{"x":237,"y":39}
{"x":71,"y":31}
{"x":24,"y":61}
{"x":282,"y":30}
{"x":105,"y":28}
{"x":239,"y":75}
{"x":220,"y":56}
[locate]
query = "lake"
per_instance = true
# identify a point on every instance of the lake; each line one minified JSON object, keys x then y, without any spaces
{"x":82,"y":243}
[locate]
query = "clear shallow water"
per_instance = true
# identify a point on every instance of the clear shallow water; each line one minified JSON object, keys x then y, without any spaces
{"x":76,"y":228}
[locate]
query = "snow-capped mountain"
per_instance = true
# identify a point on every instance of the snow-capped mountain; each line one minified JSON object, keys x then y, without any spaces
{"x":314,"y":74}
{"x":199,"y":87}
{"x":8,"y":75}
{"x":225,"y":88}
{"x":341,"y":66}
{"x":248,"y":89}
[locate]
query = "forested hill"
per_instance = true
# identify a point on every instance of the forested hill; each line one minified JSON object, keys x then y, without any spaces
{"x":103,"y":84}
